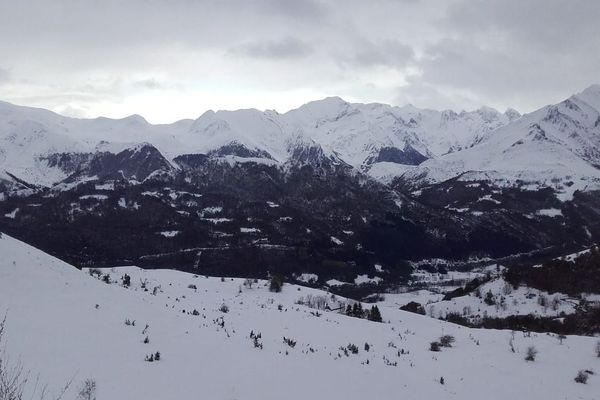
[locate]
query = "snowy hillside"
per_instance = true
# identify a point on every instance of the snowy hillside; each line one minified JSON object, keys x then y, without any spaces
{"x":556,"y":146}
{"x":56,"y":312}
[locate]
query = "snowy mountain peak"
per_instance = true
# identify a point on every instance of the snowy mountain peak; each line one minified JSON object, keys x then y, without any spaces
{"x":512,"y":114}
{"x":591,"y":96}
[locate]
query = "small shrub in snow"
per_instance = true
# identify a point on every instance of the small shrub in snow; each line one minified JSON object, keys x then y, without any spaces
{"x":531,"y":353}
{"x":192,"y":286}
{"x":95,"y":271}
{"x":224,"y":308}
{"x":248,"y":283}
{"x":276,"y":284}
{"x":581,"y":377}
{"x":126,"y":280}
{"x":446,"y":340}
{"x":442,"y":380}
{"x":153,"y":357}
{"x":434,"y":346}
{"x":106,"y":278}
{"x":87,"y":390}
{"x":489,"y":298}
{"x":146,"y":340}
{"x":367,"y":346}
{"x":352,"y":348}
{"x":290,"y":342}
{"x":255,"y":337}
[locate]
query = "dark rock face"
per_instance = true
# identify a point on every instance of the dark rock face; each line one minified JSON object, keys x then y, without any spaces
{"x":408,"y":156}
{"x":68,"y":162}
{"x":239,"y":150}
{"x":137,"y":163}
{"x":247,"y":219}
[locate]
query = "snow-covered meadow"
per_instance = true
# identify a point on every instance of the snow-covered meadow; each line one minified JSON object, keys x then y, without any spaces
{"x":64,"y":324}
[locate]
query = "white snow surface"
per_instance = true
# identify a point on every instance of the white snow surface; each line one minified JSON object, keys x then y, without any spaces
{"x":63,"y":323}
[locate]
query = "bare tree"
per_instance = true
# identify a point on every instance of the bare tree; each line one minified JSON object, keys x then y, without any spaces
{"x":15,"y":380}
{"x":87,"y":390}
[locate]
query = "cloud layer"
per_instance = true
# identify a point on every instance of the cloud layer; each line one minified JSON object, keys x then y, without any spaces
{"x":170,"y":59}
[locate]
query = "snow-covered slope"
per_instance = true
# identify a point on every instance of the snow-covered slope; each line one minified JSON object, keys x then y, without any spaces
{"x":556,"y":146}
{"x":63,"y":323}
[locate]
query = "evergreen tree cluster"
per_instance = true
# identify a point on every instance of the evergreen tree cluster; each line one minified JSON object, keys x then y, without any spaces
{"x":357,"y":311}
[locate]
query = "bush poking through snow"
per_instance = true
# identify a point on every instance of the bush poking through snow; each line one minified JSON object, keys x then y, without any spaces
{"x":446,"y":340}
{"x":434,"y":346}
{"x":224,"y":308}
{"x":531,"y":353}
{"x":290,"y":342}
{"x":352,"y":348}
{"x":581,"y":377}
{"x":276,"y":284}
{"x":255,"y":337}
{"x":153,"y":357}
{"x":489,"y":298}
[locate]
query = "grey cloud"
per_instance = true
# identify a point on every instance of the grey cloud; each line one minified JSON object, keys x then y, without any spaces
{"x":273,"y":49}
{"x":389,"y":53}
{"x":4,"y":75}
{"x":150,"y":83}
{"x":499,"y":52}
{"x":515,"y":53}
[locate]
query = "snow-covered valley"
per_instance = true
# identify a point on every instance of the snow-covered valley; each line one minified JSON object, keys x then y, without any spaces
{"x":63,"y":324}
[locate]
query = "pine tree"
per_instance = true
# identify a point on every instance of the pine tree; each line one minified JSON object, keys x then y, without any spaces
{"x":374,"y":314}
{"x":349,"y":310}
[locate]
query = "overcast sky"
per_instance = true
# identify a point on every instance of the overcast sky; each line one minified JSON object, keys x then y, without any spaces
{"x":173,"y":59}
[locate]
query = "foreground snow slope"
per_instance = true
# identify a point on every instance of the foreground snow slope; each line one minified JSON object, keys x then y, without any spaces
{"x":61,"y":323}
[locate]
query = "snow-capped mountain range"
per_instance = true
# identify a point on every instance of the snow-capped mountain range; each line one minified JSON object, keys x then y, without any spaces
{"x":364,"y":136}
{"x":556,"y":143}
